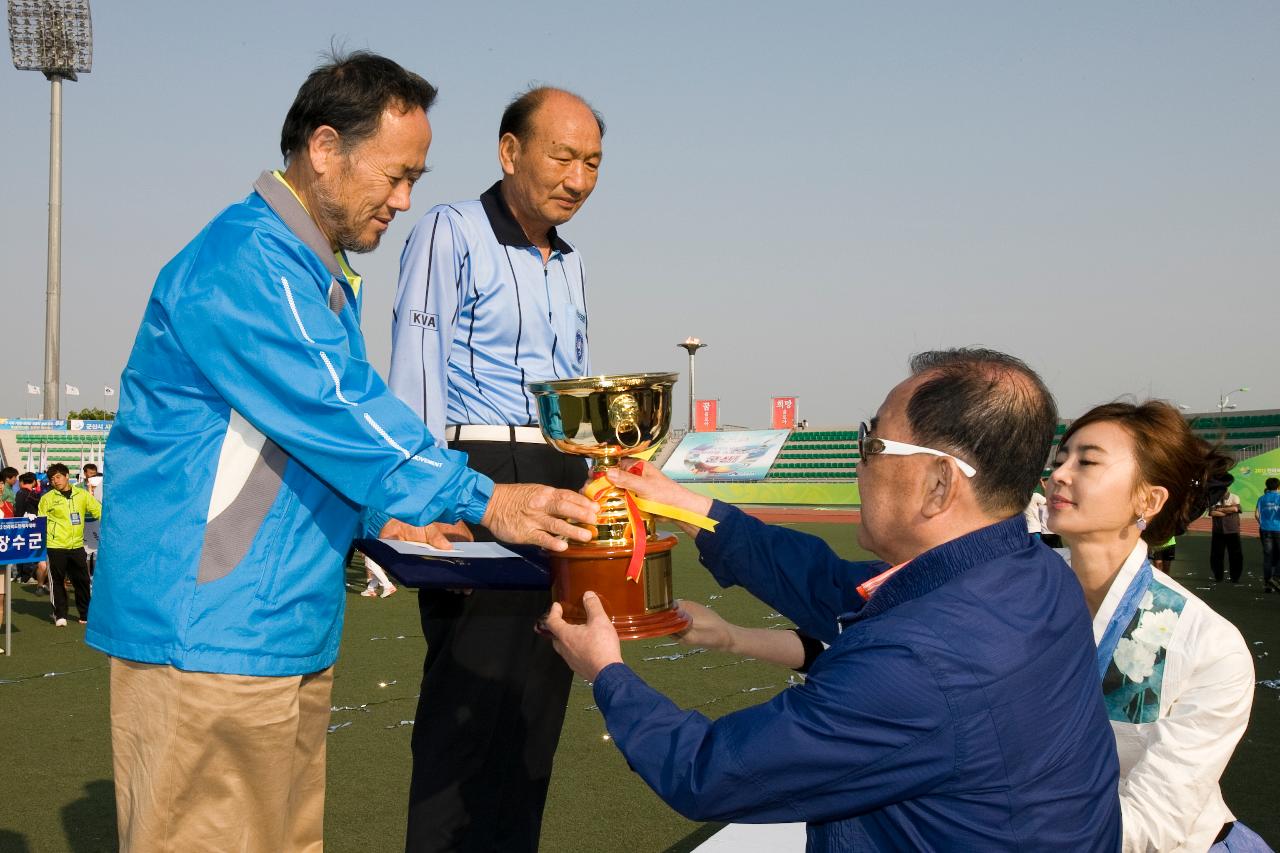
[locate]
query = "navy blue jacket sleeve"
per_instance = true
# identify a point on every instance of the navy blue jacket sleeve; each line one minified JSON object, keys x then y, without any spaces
{"x":794,"y":572}
{"x":869,"y":727}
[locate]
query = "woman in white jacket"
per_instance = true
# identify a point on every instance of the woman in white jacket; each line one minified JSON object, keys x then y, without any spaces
{"x":1177,"y":678}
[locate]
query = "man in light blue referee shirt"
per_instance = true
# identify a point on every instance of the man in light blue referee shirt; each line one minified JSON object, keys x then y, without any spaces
{"x":491,"y":297}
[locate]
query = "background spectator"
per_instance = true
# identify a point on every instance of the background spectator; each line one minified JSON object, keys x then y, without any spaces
{"x":26,"y":504}
{"x":66,"y":508}
{"x":1267,"y":512}
{"x":1226,"y":533}
{"x":8,"y":483}
{"x":91,"y":481}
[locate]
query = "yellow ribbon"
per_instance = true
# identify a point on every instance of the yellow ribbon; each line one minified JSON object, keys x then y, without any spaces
{"x":600,"y":484}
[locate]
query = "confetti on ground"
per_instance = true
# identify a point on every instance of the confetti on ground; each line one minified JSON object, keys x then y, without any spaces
{"x":337,"y":726}
{"x":1271,"y":683}
{"x":50,"y":674}
{"x":732,"y":695}
{"x":678,"y":656}
{"x":723,"y":665}
{"x":400,"y":724}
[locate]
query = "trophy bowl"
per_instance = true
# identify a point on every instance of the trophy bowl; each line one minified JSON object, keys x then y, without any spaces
{"x":605,"y":418}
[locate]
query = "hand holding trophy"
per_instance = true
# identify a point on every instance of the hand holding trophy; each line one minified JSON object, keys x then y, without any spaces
{"x":627,"y":563}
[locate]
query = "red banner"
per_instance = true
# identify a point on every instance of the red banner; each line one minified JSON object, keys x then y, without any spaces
{"x":705,"y":415}
{"x":784,"y":412}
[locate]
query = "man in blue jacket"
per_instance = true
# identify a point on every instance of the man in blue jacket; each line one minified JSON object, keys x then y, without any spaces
{"x":252,"y":435}
{"x":958,"y":706}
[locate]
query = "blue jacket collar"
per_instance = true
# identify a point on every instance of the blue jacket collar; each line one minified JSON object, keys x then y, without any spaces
{"x":285,"y":205}
{"x":944,"y":563}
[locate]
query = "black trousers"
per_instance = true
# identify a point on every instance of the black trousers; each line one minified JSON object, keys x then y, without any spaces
{"x":493,"y":694}
{"x":1230,"y":543}
{"x":1270,"y":540}
{"x":70,"y":563}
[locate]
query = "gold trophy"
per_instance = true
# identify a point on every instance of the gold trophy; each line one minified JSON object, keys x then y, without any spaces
{"x":627,"y":563}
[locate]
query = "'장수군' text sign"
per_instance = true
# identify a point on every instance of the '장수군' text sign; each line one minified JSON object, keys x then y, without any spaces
{"x":22,"y":540}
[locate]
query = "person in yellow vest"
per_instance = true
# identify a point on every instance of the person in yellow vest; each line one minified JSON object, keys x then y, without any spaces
{"x":1162,"y":556}
{"x":66,"y":510}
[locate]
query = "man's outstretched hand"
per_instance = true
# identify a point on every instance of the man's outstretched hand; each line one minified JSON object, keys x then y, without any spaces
{"x":536,"y":515}
{"x":438,"y":534}
{"x":646,"y":481}
{"x":586,"y":648}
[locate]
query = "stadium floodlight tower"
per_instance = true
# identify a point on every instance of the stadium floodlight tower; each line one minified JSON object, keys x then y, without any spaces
{"x":1224,"y":400}
{"x":54,"y":37}
{"x":1224,"y":403}
{"x":692,"y":345}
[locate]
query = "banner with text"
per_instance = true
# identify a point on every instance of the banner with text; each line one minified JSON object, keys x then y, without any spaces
{"x":91,"y":426}
{"x":1251,"y":478}
{"x":737,"y":455}
{"x":31,"y":423}
{"x":706,"y":415}
{"x":22,"y":540}
{"x":784,"y":413}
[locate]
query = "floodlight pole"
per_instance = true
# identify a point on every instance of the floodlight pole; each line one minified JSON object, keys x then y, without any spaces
{"x":1224,"y":403}
{"x":53,"y":284}
{"x":692,"y":345}
{"x":54,"y":37}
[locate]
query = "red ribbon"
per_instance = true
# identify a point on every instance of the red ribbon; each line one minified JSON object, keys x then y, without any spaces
{"x":639,"y":533}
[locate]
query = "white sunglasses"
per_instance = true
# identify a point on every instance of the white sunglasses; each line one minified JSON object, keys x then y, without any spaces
{"x":869,"y":446}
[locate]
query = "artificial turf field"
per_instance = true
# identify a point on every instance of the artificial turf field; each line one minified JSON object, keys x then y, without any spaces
{"x":55,"y":761}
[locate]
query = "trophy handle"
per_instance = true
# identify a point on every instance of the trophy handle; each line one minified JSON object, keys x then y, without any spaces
{"x":623,"y":412}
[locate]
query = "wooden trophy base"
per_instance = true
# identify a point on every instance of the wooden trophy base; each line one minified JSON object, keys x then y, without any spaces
{"x":638,"y":609}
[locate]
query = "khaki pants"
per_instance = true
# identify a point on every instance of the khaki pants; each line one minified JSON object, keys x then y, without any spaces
{"x":212,"y":762}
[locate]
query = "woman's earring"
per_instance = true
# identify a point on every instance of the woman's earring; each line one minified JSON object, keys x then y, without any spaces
{"x":1142,"y":523}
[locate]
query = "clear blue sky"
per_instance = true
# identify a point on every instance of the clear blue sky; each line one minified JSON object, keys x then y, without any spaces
{"x":815,"y":189}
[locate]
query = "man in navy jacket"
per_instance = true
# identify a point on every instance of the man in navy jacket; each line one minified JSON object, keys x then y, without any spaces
{"x":958,"y":705}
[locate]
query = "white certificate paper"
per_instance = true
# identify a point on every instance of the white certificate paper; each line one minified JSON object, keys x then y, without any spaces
{"x":464,"y":550}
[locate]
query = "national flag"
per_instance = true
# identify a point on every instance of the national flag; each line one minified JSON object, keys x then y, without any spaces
{"x":108,"y":391}
{"x":33,"y":389}
{"x":71,"y":391}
